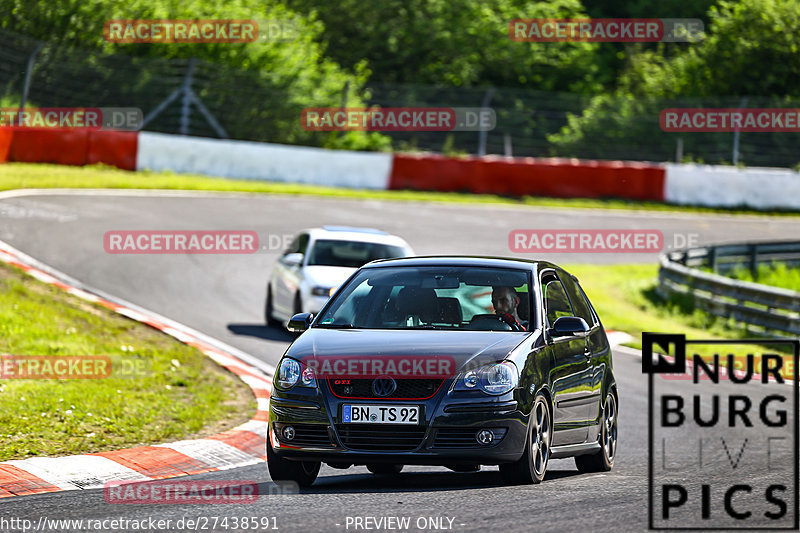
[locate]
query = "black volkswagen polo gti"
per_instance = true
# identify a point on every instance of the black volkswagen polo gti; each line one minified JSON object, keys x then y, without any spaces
{"x":451,"y":361}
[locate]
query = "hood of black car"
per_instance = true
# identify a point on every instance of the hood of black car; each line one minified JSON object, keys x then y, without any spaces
{"x":465,"y":347}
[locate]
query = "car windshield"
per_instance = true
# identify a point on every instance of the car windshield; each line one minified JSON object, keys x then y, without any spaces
{"x":353,"y":254}
{"x":442,"y":297}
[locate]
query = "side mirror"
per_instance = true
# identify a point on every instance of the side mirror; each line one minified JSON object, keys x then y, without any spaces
{"x":570,"y":326}
{"x":294,"y":259}
{"x":301,"y":322}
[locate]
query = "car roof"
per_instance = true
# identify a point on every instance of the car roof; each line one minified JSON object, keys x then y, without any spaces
{"x":347,"y":233}
{"x":463,"y":260}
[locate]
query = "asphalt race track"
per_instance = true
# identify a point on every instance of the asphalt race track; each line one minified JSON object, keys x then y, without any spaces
{"x":223,"y":296}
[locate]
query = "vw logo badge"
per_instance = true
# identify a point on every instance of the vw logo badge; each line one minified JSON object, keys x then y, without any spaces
{"x":383,"y":387}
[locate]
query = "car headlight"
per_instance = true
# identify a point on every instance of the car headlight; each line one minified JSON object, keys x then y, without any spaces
{"x":321,"y":291}
{"x":494,"y":379}
{"x":471,"y":379}
{"x":307,"y":378}
{"x":288,"y":374}
{"x":292,"y":373}
{"x":499,"y":378}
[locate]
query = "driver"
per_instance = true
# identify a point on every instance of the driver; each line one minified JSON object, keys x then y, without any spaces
{"x":505,"y":301}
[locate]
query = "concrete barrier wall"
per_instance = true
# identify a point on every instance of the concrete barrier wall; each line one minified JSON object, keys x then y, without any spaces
{"x":5,"y":143}
{"x":262,"y":161}
{"x":69,"y":146}
{"x":562,"y":178}
{"x":707,"y":185}
{"x":760,"y":188}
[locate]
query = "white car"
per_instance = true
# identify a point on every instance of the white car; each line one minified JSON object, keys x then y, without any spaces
{"x":318,"y":261}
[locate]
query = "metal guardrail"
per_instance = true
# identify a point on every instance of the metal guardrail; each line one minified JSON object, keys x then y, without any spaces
{"x":760,"y":307}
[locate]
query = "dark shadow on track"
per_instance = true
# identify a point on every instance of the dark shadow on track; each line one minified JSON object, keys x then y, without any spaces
{"x":410,"y":482}
{"x":261,"y":331}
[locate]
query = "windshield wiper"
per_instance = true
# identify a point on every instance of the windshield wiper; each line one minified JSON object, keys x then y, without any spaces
{"x":336,"y":326}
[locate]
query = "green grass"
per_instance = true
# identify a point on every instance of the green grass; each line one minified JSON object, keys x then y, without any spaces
{"x":182,"y":394}
{"x":775,"y":274}
{"x":34,"y":176}
{"x":625,"y":299}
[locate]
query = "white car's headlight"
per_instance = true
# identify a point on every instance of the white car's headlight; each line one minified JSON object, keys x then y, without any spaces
{"x":321,"y":291}
{"x":494,"y":379}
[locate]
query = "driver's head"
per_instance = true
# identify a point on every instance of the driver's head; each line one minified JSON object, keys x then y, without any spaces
{"x":504,"y":300}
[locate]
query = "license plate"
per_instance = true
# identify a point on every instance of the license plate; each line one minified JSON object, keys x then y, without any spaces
{"x":380,"y":414}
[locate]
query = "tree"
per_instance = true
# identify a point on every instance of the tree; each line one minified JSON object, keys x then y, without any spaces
{"x":750,"y":50}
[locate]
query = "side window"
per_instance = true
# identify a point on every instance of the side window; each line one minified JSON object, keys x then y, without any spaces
{"x":579,"y":301}
{"x":589,"y":304}
{"x":294,"y":247}
{"x":299,"y":244}
{"x":302,"y":243}
{"x":556,"y":302}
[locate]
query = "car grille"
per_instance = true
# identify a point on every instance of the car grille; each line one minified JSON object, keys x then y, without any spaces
{"x":371,"y":437}
{"x":312,"y":435}
{"x":407,"y":389}
{"x":463,"y":438}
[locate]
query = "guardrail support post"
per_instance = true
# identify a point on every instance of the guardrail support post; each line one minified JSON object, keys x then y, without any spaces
{"x":712,"y":259}
{"x":754,"y":261}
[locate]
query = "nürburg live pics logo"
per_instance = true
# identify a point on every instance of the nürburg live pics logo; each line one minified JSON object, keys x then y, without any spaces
{"x":723,"y":433}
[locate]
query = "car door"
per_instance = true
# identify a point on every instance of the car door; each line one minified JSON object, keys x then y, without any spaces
{"x":571,"y":375}
{"x":596,"y":343}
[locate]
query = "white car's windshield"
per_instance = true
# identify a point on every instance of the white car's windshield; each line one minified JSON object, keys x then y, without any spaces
{"x":351,"y":254}
{"x":429,"y":298}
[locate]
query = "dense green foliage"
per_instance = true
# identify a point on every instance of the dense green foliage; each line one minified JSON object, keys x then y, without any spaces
{"x":750,"y":49}
{"x":455,"y":42}
{"x":297,"y":68}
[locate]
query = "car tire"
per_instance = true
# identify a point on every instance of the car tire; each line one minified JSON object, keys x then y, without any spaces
{"x":532,"y":466}
{"x":304,"y":473}
{"x":384,"y":469}
{"x":269,"y":309}
{"x":603,"y":460}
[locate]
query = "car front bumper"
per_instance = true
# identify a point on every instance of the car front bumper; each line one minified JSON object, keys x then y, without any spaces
{"x":445,"y":435}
